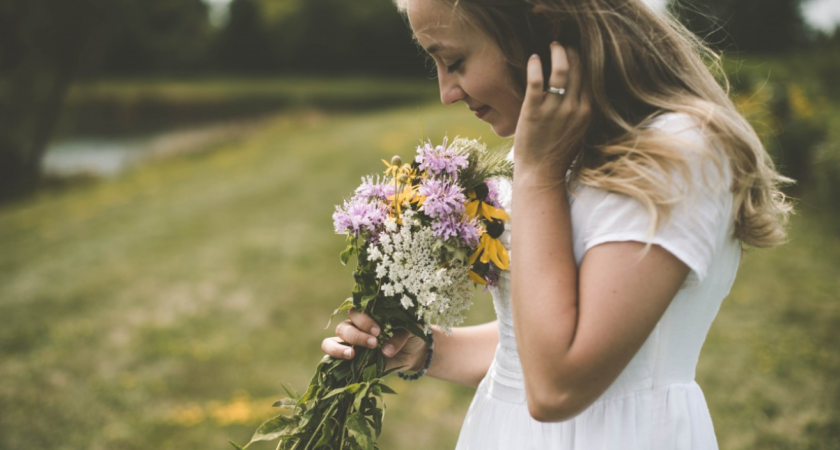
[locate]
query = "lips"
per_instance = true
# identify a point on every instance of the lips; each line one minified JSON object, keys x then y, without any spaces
{"x":481,"y":112}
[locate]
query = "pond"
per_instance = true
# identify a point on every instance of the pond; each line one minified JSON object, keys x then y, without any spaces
{"x":111,"y":156}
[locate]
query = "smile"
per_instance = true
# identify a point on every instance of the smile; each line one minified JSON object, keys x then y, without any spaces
{"x":481,"y":112}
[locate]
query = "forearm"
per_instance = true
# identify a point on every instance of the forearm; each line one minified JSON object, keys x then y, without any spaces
{"x":464,"y":356}
{"x":544,"y":277}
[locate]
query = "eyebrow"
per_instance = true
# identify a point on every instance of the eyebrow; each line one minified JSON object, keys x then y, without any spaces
{"x":434,"y":48}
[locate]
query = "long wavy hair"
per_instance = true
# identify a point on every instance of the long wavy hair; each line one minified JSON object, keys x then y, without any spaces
{"x":639,"y":63}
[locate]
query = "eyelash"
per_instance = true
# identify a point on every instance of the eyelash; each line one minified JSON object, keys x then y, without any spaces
{"x":454,"y":66}
{"x":450,"y":68}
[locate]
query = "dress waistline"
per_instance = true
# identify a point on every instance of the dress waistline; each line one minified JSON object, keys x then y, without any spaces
{"x":508,"y":387}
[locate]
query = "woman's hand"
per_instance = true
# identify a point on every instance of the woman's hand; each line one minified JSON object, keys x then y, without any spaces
{"x":551,"y":126}
{"x":402,"y":350}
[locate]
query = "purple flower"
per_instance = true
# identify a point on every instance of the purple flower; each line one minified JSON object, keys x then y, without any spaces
{"x":442,"y":199}
{"x":456,"y":228}
{"x":372,"y":190}
{"x":492,"y":194}
{"x":441,"y":159}
{"x":492,"y":277}
{"x":359,"y":215}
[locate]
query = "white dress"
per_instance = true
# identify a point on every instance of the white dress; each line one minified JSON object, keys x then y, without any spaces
{"x":654,"y":404}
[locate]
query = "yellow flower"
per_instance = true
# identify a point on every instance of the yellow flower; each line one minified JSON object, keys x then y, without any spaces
{"x":491,"y":249}
{"x":476,"y":278}
{"x":478,"y":207}
{"x":407,"y":193}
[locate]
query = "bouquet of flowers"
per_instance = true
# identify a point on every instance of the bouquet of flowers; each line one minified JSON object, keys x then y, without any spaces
{"x":423,"y":234}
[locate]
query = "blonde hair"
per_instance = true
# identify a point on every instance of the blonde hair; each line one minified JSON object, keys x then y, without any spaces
{"x":639,"y":63}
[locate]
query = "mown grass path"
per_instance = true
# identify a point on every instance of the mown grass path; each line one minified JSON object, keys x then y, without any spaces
{"x":162,"y":309}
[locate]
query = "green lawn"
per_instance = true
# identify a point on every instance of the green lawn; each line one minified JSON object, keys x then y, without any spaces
{"x":124,"y":106}
{"x":164,"y":308}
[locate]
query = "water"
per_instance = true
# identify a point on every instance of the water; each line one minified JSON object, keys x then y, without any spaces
{"x":93,"y":156}
{"x":109,"y":157}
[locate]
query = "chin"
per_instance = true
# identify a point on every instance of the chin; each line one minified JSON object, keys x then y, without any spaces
{"x":504,"y":131}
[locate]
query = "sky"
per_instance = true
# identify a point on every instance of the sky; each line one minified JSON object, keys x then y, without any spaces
{"x":821,"y":14}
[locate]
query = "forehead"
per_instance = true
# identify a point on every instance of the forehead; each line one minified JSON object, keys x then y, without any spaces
{"x":436,"y":25}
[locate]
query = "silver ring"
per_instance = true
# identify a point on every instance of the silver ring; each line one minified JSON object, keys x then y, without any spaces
{"x":558,"y":91}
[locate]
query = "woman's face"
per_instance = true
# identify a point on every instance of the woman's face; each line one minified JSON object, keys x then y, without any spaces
{"x":470,"y":66}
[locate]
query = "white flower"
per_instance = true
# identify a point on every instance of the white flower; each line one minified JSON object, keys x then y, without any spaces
{"x":413,"y":271}
{"x":387,"y":289}
{"x":374,"y":254}
{"x":406,"y":302}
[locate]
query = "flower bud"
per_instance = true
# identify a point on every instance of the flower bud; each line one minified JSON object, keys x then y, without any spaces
{"x":396,"y":161}
{"x":403,"y":178}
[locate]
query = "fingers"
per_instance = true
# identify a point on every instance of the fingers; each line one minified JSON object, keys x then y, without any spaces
{"x":559,"y":66}
{"x":335,"y":347}
{"x":573,"y":90}
{"x":534,"y":87}
{"x":396,"y":343}
{"x":347,"y":330}
{"x":364,"y":322}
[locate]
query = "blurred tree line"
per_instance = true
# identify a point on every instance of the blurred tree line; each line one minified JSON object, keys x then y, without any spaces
{"x":45,"y":45}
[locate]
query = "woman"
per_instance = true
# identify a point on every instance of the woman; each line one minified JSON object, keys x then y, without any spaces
{"x":636,"y":185}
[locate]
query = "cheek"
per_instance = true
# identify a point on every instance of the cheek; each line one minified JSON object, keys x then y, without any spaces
{"x":512,"y":107}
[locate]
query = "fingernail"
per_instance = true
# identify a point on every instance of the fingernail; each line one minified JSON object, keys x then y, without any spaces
{"x":374,"y":331}
{"x":388,"y":350}
{"x":555,"y":43}
{"x":534,"y":56}
{"x":371,"y":342}
{"x":348,"y":352}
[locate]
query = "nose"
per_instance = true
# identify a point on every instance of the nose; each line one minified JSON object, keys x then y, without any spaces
{"x":450,"y":90}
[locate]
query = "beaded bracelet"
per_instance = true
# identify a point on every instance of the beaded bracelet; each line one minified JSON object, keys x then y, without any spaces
{"x":425,"y":366}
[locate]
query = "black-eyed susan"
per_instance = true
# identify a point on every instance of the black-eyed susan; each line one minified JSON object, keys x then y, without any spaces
{"x":478,"y":206}
{"x":490,"y":248}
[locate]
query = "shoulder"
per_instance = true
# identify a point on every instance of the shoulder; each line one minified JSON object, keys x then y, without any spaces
{"x":683,"y":205}
{"x":690,"y":139}
{"x":687,"y":133}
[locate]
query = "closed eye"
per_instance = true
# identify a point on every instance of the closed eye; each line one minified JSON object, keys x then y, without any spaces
{"x":452,"y":68}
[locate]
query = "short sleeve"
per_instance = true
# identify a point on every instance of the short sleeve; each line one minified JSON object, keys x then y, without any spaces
{"x":696,"y":225}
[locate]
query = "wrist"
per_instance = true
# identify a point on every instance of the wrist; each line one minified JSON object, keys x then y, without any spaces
{"x":536,"y":176}
{"x":548,"y":169}
{"x":420,"y":359}
{"x":426,"y":362}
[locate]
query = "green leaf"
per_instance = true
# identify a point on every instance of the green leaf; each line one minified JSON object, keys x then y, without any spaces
{"x":366,"y":299}
{"x":386,"y":389}
{"x":345,"y":306}
{"x":273,"y":428}
{"x":342,"y":371}
{"x":237,"y":446}
{"x":378,"y":414}
{"x":360,"y":395}
{"x":345,"y":255}
{"x":390,"y":371}
{"x":288,"y":403}
{"x":417,"y":331}
{"x":359,"y":428}
{"x":309,"y":394}
{"x":353,"y":388}
{"x":326,"y":435}
{"x":369,"y":374}
{"x":335,"y":392}
{"x":292,"y":392}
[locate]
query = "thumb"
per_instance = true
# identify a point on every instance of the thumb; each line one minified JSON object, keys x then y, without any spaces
{"x":393,"y":346}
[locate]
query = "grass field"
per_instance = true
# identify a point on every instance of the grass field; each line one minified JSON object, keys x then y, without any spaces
{"x":162,"y":309}
{"x":121,"y":106}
